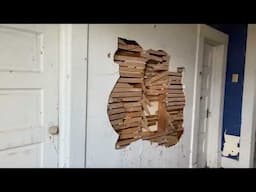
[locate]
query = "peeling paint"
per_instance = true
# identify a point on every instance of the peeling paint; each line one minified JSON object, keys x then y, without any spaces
{"x":231,"y":145}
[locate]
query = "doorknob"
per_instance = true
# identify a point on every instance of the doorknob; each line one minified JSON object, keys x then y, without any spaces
{"x":54,"y":130}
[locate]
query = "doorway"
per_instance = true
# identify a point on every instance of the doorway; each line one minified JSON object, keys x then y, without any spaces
{"x":208,"y":97}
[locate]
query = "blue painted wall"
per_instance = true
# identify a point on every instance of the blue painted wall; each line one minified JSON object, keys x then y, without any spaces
{"x":235,"y":64}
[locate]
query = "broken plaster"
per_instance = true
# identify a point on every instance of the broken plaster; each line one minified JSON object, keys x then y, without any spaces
{"x":231,"y":145}
{"x":147,"y":100}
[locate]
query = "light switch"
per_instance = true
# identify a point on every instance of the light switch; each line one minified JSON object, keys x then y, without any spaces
{"x":234,"y":78}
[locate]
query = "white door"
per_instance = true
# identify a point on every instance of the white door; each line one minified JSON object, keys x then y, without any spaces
{"x":28,"y":95}
{"x":204,"y":105}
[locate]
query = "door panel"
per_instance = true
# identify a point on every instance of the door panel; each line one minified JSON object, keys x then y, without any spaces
{"x":28,"y":95}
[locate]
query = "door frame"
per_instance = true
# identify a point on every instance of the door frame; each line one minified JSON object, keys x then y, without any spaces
{"x":64,"y":94}
{"x":73,"y":45}
{"x":220,"y":42}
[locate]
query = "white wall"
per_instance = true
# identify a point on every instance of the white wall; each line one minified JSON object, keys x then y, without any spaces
{"x":180,"y":42}
{"x":78,"y":94}
{"x":249,"y":105}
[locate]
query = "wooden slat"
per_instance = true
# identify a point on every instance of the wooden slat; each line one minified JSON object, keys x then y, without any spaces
{"x":159,"y":140}
{"x":174,"y":74}
{"x":122,"y":146}
{"x":178,"y":117}
{"x":116,"y":122}
{"x":173,"y":108}
{"x":159,"y":76}
{"x":175,"y":95}
{"x":153,"y":98}
{"x":115,"y":105}
{"x":154,"y":58}
{"x":173,"y":112}
{"x":151,"y":116}
{"x":132,"y":104}
{"x":138,"y":65}
{"x":133,"y":114}
{"x":126,"y":89}
{"x":130,"y":74}
{"x":171,"y":141}
{"x":159,"y":52}
{"x":152,"y":120}
{"x":164,"y":137}
{"x":121,"y":41}
{"x":115,"y":111}
{"x":126,"y":94}
{"x":127,"y":42}
{"x":175,"y":82}
{"x":154,"y":92}
{"x":121,"y":52}
{"x":125,"y":126}
{"x":130,"y":109}
{"x":154,"y":135}
{"x":126,"y":141}
{"x":175,"y":103}
{"x":145,"y":134}
{"x":161,"y":67}
{"x":176,"y":91}
{"x":114,"y":100}
{"x":157,"y":87}
{"x":130,"y":47}
{"x":129,"y":58}
{"x":177,"y":78}
{"x":131,"y":98}
{"x":151,"y":123}
{"x":174,"y":87}
{"x":175,"y":99}
{"x":130,"y":130}
{"x":130,"y":80}
{"x":163,"y":83}
{"x":131,"y":69}
{"x":127,"y":135}
{"x":123,"y":85}
{"x":117,"y":116}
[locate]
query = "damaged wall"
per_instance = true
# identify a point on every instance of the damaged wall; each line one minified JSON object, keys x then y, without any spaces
{"x":147,"y":100}
{"x":180,"y":42}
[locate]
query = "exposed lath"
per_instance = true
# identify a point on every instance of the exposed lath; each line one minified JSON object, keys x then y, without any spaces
{"x":147,"y":100}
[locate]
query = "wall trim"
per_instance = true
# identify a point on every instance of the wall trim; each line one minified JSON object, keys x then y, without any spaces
{"x":65,"y":94}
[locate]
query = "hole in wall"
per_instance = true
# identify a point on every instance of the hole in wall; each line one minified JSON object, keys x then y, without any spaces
{"x":147,"y":100}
